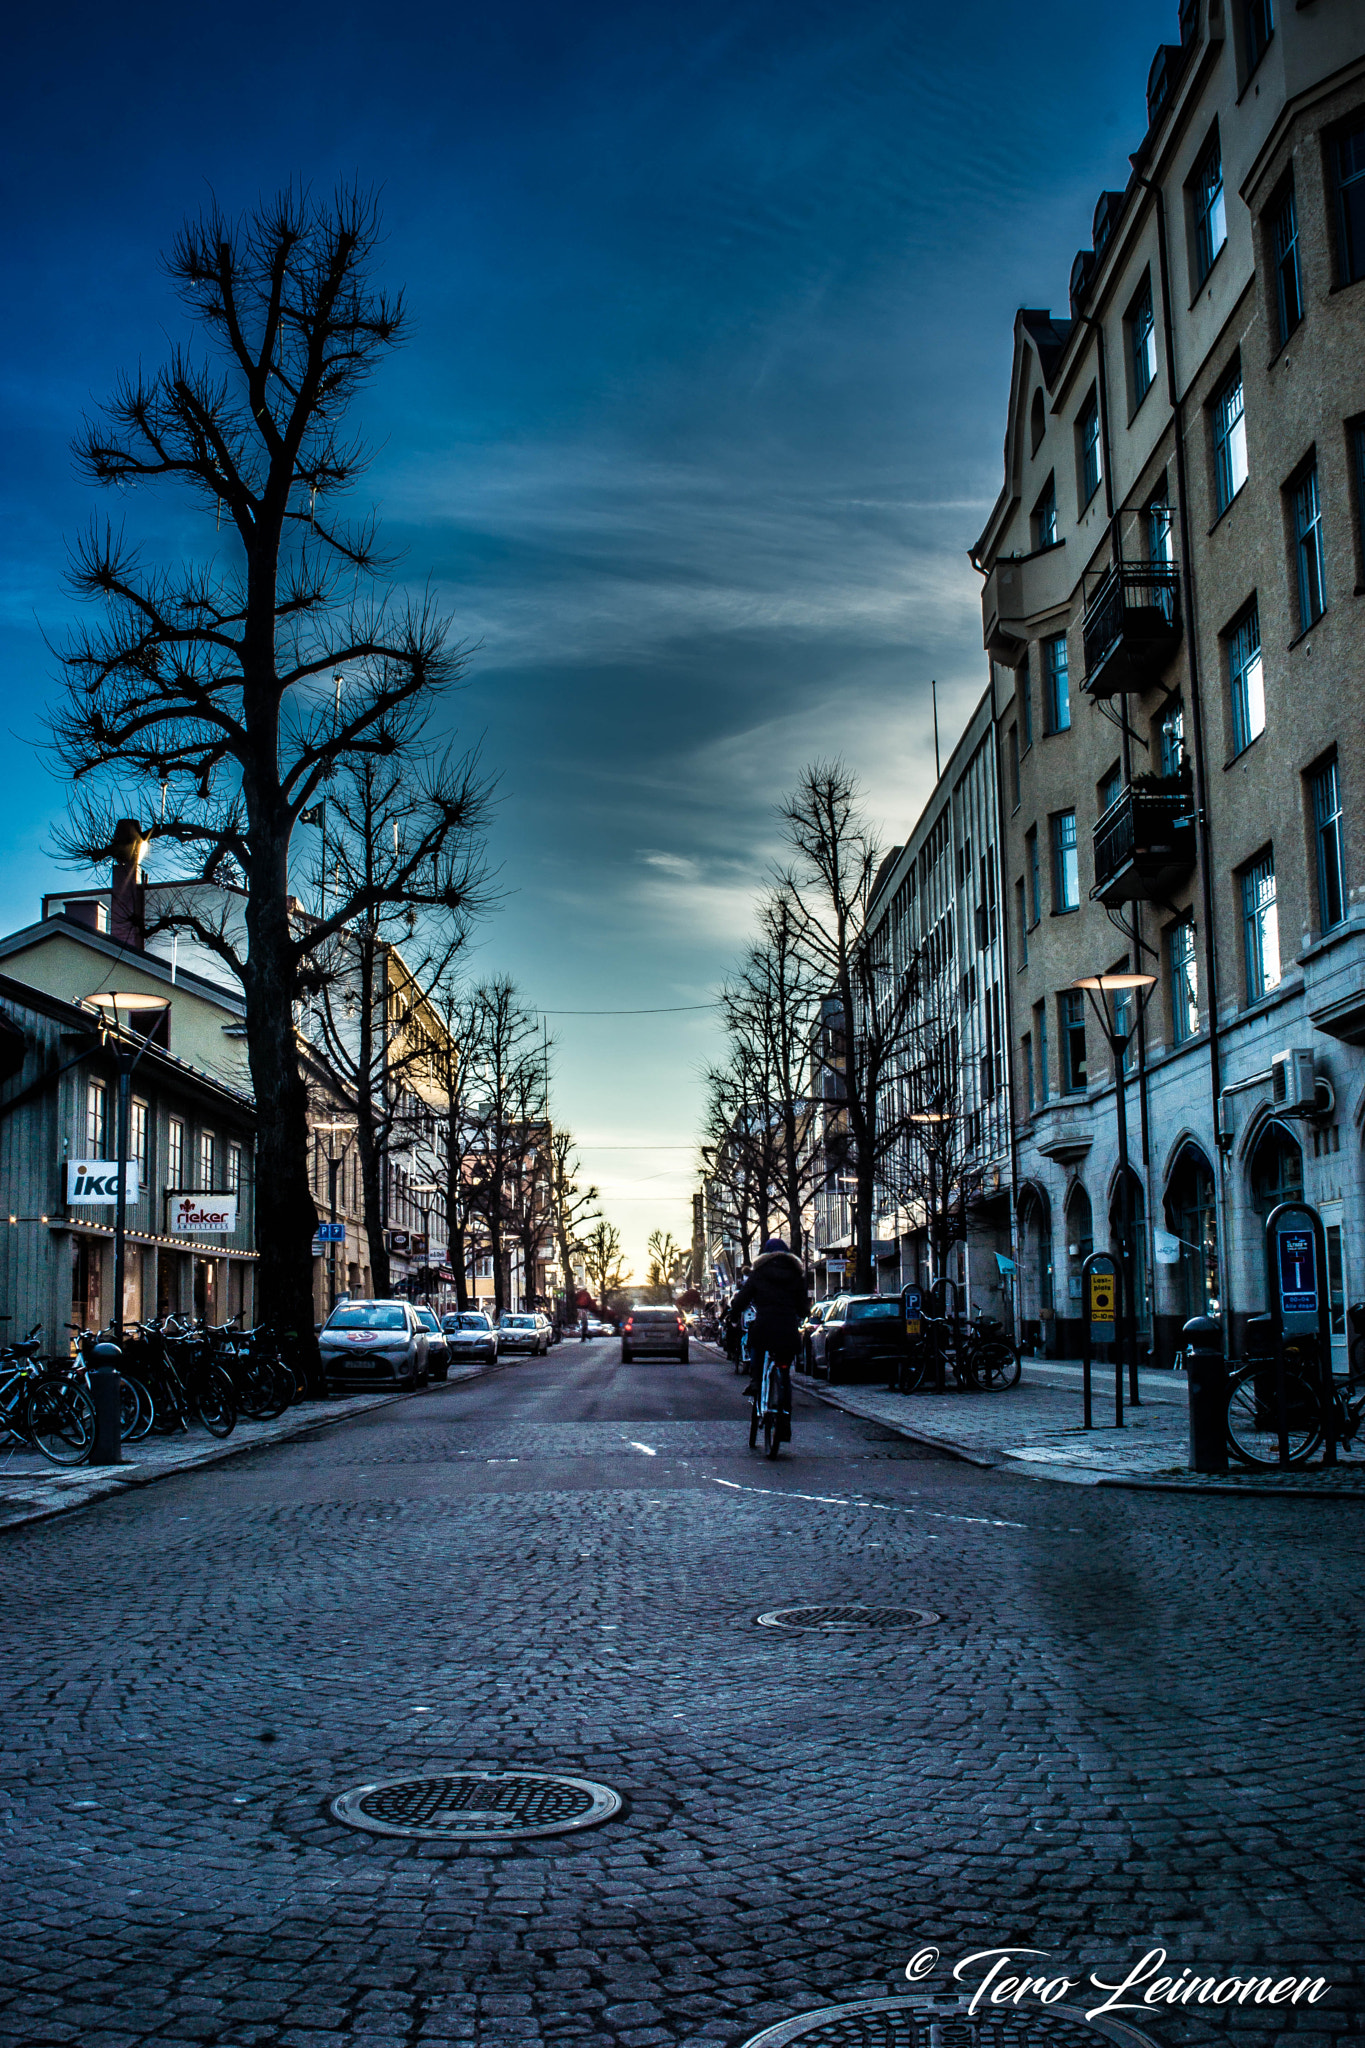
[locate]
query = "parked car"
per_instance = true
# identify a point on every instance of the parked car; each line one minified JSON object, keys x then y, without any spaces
{"x":521,"y":1333}
{"x":597,"y":1328}
{"x":370,"y":1342}
{"x":438,"y":1354}
{"x":818,"y":1311}
{"x":861,"y":1336}
{"x":470,"y":1334}
{"x":547,"y":1328}
{"x":653,"y":1329}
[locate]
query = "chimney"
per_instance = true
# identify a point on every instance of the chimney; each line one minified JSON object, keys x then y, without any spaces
{"x":126,"y":894}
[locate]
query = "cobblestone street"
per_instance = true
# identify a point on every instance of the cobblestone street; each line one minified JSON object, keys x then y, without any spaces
{"x":1135,"y":1723}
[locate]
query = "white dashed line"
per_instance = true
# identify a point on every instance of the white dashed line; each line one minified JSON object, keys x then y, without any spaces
{"x":648,"y":1449}
{"x":885,"y":1507}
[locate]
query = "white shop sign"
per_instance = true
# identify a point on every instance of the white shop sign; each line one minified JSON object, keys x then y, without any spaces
{"x":201,"y":1214}
{"x":91,"y":1183}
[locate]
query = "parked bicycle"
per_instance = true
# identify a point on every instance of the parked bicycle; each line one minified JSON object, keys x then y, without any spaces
{"x":54,"y":1415}
{"x":1254,"y":1407}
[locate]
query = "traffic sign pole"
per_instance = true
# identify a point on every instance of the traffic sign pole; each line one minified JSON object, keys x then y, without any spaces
{"x":1297,"y":1293}
{"x":1101,"y":1320}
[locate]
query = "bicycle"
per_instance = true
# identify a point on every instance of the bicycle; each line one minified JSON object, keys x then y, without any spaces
{"x":770,"y":1408}
{"x":54,"y":1416}
{"x":1253,"y":1411}
{"x":136,"y":1411}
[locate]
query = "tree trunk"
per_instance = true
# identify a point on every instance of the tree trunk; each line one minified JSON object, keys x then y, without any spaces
{"x":372,"y":1187}
{"x":865,"y":1278}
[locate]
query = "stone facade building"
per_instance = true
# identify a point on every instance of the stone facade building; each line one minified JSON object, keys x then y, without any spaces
{"x":1173,"y":610}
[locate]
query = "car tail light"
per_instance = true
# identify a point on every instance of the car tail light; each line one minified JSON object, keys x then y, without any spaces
{"x":630,"y":1322}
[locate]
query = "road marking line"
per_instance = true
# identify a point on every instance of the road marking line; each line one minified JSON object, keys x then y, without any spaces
{"x":885,"y":1507}
{"x":648,"y":1449}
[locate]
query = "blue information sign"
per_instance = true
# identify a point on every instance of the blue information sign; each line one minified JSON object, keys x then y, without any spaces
{"x":910,"y":1296}
{"x":331,"y":1233}
{"x":1298,"y":1273}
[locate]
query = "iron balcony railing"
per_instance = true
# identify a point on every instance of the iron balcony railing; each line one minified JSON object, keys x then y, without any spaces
{"x":1144,"y":843}
{"x":1131,"y":627}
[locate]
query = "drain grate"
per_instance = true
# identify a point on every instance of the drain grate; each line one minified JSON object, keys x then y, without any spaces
{"x":468,"y":1806}
{"x":849,"y":1617}
{"x":944,"y":2023}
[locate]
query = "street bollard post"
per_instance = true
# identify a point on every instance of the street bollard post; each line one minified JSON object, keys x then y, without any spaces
{"x":106,"y":1362}
{"x":1206,"y":1381}
{"x":1101,"y":1319}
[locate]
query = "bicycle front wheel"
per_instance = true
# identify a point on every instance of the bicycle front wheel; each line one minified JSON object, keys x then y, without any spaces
{"x":997,"y":1366}
{"x":213,"y":1399}
{"x":61,"y":1421}
{"x":772,"y":1436}
{"x":1254,"y":1415}
{"x":753,"y":1425}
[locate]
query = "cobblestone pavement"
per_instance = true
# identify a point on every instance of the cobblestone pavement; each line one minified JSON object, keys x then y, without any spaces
{"x":1135,"y":1723}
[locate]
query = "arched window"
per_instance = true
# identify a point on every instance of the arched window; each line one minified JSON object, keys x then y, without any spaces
{"x":1035,"y":1240}
{"x":1037,"y":422}
{"x":1276,"y":1168}
{"x":1192,"y":1214}
{"x":1080,"y":1242}
{"x":1137,"y":1225}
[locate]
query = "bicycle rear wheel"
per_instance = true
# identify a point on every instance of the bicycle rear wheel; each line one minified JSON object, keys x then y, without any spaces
{"x":1253,"y":1415}
{"x":997,"y":1366}
{"x":135,"y":1409}
{"x":61,"y":1421}
{"x":753,"y":1424}
{"x":213,"y":1401}
{"x":772,"y":1436}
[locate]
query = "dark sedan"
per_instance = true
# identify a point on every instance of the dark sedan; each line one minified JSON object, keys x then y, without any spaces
{"x":438,"y":1352}
{"x":653,"y":1329}
{"x":862,"y":1336}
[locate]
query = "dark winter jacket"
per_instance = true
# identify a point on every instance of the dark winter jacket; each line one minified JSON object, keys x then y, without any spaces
{"x":776,"y":1288}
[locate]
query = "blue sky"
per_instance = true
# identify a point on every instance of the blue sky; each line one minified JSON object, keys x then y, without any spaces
{"x":701,"y":407}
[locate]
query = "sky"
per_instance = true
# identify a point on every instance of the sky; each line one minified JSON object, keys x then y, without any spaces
{"x":700,"y":409}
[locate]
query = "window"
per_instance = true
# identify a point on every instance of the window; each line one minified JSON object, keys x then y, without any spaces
{"x":1109,"y":788}
{"x":1040,"y":1033}
{"x":1171,"y":741}
{"x":1045,"y":516}
{"x":1331,"y":867}
{"x":1184,"y":985}
{"x":1026,"y":1053}
{"x":1071,"y":1011}
{"x":1210,"y":213}
{"x":1142,"y":343}
{"x":1229,"y":443}
{"x":96,"y":1118}
{"x":1066,"y":887}
{"x":234,"y":1170}
{"x":1356,"y":436}
{"x":1037,"y":422}
{"x":1035,"y":886}
{"x":175,"y":1153}
{"x":137,"y":1137}
{"x":1056,"y":690}
{"x":1246,"y":680}
{"x":1260,"y":928}
{"x":1258,"y":24}
{"x":1284,"y":248}
{"x":1348,"y":176}
{"x":1088,"y":449}
{"x":1014,"y":766}
{"x":1160,"y":548}
{"x":1026,"y":705}
{"x":206,"y":1159}
{"x":1307,"y":514}
{"x":1021,"y":910}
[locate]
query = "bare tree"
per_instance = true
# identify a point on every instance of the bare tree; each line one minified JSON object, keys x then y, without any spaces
{"x":574,"y":1207}
{"x":457,"y":1015}
{"x":607,"y":1270}
{"x":505,"y":1096}
{"x":372,"y":1015}
{"x":829,"y":885}
{"x":739,"y":1153}
{"x":237,"y":683}
{"x":936,"y":1169}
{"x":770,"y":1008}
{"x":670,"y":1264}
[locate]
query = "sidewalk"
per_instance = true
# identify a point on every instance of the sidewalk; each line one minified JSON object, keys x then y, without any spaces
{"x":1035,"y":1430}
{"x":32,"y":1489}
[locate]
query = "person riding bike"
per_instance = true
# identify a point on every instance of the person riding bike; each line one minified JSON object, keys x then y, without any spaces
{"x":776,"y":1291}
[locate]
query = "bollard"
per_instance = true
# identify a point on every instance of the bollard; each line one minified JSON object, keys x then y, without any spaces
{"x":1206,"y":1377}
{"x":107,"y":1392}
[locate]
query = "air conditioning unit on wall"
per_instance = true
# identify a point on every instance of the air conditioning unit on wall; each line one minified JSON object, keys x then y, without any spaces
{"x":1292,"y":1084}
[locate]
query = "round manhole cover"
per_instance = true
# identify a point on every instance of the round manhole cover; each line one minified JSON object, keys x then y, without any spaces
{"x":467,"y":1806}
{"x":849,"y":1617}
{"x":944,"y":2023}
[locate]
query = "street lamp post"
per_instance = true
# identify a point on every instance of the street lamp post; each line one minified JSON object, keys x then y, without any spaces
{"x":1108,"y":994}
{"x":334,"y":1166}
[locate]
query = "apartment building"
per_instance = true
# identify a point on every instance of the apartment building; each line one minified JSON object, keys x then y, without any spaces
{"x":935,"y":922}
{"x":1172,"y":606}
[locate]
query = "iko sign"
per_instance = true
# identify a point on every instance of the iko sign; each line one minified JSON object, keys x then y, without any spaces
{"x":91,"y":1183}
{"x":201,"y":1214}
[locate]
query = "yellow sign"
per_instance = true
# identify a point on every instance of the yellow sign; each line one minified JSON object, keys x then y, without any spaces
{"x":1101,"y":1297}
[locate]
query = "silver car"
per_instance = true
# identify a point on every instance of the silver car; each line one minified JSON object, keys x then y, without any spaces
{"x":470,"y":1334}
{"x":522,"y":1333}
{"x":373,"y":1343}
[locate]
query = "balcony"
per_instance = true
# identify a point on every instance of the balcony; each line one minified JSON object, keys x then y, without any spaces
{"x":1144,"y":843}
{"x":1131,"y":628}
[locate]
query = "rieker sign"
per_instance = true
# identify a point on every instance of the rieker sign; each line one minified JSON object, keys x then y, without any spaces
{"x":201,"y":1213}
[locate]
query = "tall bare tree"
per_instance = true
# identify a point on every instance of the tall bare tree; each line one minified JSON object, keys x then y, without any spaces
{"x":505,"y":1097}
{"x":770,"y":1008}
{"x":575,"y":1207}
{"x":238,"y":681}
{"x":829,"y":885}
{"x":607,"y":1269}
{"x":372,"y":1015}
{"x":670,"y":1263}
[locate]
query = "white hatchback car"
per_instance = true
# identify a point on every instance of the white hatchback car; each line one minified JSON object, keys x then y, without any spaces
{"x":369,"y":1343}
{"x":523,"y":1333}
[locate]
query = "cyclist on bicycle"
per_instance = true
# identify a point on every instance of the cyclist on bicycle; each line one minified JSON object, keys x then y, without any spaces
{"x":776,"y":1291}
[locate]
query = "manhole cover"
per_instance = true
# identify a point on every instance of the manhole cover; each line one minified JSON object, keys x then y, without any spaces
{"x":944,"y":2023}
{"x":849,"y":1617}
{"x":477,"y":1805}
